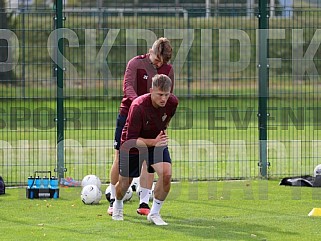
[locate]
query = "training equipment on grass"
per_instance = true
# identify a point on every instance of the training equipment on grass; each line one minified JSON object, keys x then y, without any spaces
{"x":307,"y":180}
{"x":91,"y":179}
{"x":317,"y":170}
{"x":42,"y":187}
{"x":107,"y":193}
{"x":127,"y":197}
{"x":315,"y":212}
{"x":90,"y":194}
{"x":152,"y":192}
{"x":135,"y":184}
{"x":128,"y":194}
{"x":2,"y":186}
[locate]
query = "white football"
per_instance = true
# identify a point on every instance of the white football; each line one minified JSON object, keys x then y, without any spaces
{"x":128,"y":194}
{"x":90,"y":194}
{"x":107,"y":193}
{"x":127,"y":197}
{"x":152,"y":192}
{"x":91,"y":180}
{"x":317,"y":170}
{"x":135,"y":184}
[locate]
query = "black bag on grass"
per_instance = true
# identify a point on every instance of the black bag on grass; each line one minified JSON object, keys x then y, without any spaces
{"x":303,"y":181}
{"x":2,"y":186}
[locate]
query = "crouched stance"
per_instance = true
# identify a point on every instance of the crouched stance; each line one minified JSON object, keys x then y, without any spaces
{"x":144,"y":138}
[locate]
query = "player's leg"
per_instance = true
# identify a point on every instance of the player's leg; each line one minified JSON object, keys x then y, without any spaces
{"x":121,"y":189}
{"x":114,"y":171}
{"x":128,"y":169}
{"x":163,"y":184}
{"x":162,"y":188}
{"x":163,"y":167}
{"x":114,"y":174}
{"x":145,"y":183}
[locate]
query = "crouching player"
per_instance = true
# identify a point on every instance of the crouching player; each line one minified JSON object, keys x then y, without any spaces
{"x":144,"y":138}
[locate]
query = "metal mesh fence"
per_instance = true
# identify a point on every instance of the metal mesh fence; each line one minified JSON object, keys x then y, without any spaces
{"x":294,"y":91}
{"x":214,"y":134}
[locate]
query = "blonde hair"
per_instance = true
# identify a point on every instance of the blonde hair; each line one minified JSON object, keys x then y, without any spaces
{"x":162,"y":82}
{"x":162,"y":49}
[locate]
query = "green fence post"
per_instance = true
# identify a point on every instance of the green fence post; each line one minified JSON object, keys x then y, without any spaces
{"x":263,"y":84}
{"x":189,"y":77}
{"x":60,"y":95}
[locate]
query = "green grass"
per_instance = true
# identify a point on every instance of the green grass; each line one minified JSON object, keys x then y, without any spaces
{"x":234,"y":210}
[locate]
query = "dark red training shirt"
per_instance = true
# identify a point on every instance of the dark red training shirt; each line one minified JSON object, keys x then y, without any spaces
{"x":138,"y":79}
{"x":146,"y":121}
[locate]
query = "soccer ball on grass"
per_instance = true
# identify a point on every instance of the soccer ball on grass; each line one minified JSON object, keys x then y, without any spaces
{"x":135,"y":184}
{"x":90,"y":194}
{"x":127,"y":197}
{"x":91,"y":179}
{"x":152,"y":192}
{"x":317,"y":170}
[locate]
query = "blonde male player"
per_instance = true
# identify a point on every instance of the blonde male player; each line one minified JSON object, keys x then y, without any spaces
{"x":144,"y":138}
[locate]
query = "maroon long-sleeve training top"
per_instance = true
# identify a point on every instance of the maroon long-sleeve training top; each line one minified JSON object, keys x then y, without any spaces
{"x":138,"y":79}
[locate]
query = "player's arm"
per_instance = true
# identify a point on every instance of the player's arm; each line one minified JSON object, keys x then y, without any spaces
{"x":172,"y":77}
{"x":160,"y":140}
{"x":135,"y":122}
{"x":130,"y":82}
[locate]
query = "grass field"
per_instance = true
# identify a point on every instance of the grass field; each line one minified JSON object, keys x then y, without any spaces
{"x":232,"y":210}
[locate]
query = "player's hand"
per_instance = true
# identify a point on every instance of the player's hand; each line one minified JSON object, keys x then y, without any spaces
{"x":161,"y":139}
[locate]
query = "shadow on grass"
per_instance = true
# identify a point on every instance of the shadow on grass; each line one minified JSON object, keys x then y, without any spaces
{"x":188,"y":220}
{"x":237,"y":225}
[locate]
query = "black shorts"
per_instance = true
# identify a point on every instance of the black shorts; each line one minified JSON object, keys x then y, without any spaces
{"x":130,"y":165}
{"x":120,"y":123}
